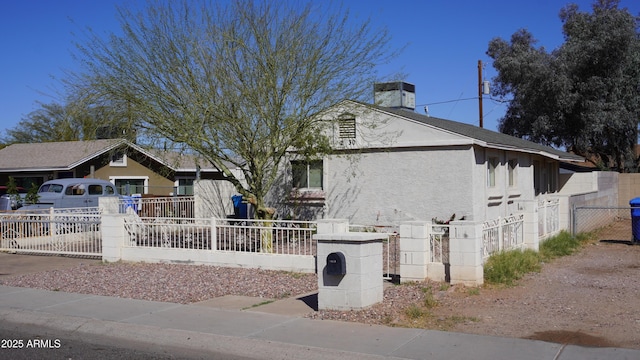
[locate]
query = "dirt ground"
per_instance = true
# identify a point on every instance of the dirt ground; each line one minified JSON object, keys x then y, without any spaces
{"x":12,"y":265}
{"x":590,"y":298}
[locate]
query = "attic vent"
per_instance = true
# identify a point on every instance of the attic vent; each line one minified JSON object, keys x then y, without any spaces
{"x":347,"y":127}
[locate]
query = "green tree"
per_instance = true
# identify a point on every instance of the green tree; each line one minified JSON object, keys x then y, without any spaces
{"x":237,"y":84}
{"x":584,"y":95}
{"x":69,"y":122}
{"x":49,"y":123}
{"x":32,"y":196}
{"x":14,"y":195}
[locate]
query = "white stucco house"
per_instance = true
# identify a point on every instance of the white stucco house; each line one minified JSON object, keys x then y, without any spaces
{"x":392,"y":164}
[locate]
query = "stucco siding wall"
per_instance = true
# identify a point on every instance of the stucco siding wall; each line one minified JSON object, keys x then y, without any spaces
{"x":578,"y":183}
{"x":502,"y":199}
{"x":133,"y":168}
{"x":213,"y":198}
{"x":629,"y":188}
{"x":386,"y":188}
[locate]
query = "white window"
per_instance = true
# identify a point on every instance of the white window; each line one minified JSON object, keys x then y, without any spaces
{"x":307,"y":175}
{"x":492,"y":168}
{"x":128,"y":185}
{"x":118,"y":159}
{"x":184,"y":186}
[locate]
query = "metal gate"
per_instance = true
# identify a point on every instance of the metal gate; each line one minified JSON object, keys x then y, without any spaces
{"x":611,"y":223}
{"x":57,"y":231}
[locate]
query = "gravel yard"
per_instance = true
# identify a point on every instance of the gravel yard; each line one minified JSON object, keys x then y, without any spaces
{"x":590,"y":298}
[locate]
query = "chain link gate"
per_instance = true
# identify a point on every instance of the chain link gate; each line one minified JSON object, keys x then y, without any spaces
{"x":612,"y":223}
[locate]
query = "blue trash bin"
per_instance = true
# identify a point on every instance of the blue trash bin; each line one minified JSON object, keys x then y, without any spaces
{"x":635,"y":219}
{"x":239,"y":208}
{"x":130,"y":202}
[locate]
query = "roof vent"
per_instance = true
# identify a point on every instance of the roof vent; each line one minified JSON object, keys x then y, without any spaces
{"x":399,"y":95}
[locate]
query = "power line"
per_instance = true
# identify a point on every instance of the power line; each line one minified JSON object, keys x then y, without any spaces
{"x":445,"y":102}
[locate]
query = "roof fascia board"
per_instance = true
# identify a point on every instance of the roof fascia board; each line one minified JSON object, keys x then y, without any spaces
{"x":470,"y":140}
{"x":37,"y":169}
{"x":97,"y":153}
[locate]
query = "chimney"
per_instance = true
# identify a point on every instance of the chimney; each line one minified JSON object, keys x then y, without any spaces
{"x":398,"y":95}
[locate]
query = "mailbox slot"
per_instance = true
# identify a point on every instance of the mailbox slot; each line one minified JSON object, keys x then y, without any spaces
{"x":336,"y":264}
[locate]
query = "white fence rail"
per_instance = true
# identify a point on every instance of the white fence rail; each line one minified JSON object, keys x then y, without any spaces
{"x":502,"y":234}
{"x":390,"y":247}
{"x":548,"y":217}
{"x":167,"y":207}
{"x":274,"y":237}
{"x":54,"y":231}
{"x":439,"y":243}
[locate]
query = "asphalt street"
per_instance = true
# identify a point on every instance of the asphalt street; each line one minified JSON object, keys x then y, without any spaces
{"x":24,"y":342}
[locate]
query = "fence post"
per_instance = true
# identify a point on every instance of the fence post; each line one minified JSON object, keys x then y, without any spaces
{"x":500,"y":233}
{"x":544,"y":207}
{"x":332,"y":226}
{"x":415,"y":253}
{"x":214,"y":234}
{"x":109,"y":204}
{"x":531,"y":225}
{"x":574,"y":220}
{"x":465,"y":253}
{"x":112,"y":232}
{"x":52,"y":224}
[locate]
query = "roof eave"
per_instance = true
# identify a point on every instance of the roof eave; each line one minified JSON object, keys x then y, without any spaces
{"x":93,"y":155}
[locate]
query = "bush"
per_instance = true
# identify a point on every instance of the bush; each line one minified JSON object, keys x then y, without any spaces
{"x":562,"y":244}
{"x":508,"y":266}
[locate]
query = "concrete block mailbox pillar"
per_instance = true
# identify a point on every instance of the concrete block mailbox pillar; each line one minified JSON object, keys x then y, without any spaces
{"x":349,"y":270}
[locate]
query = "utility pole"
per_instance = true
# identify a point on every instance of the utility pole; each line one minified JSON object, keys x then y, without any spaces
{"x":480,"y":90}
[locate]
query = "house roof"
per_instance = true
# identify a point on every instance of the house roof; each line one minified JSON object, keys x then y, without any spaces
{"x":482,"y":136}
{"x":62,"y":156}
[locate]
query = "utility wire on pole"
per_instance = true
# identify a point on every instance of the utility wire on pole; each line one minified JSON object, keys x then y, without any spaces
{"x":480,"y":91}
{"x":483,"y":89}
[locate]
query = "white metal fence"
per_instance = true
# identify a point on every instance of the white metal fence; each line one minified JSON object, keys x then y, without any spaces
{"x":502,"y":234}
{"x":167,"y":207}
{"x":439,"y":243}
{"x":53,"y":231}
{"x":390,"y":247}
{"x":275,"y":237}
{"x":548,"y":217}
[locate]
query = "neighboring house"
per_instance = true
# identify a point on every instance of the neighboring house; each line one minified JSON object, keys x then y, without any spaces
{"x":392,"y":164}
{"x":130,"y":167}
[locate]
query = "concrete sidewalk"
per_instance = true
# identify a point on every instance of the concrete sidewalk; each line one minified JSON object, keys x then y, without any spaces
{"x":264,"y":331}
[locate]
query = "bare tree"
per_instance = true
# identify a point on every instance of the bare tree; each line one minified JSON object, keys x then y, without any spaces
{"x":237,"y":84}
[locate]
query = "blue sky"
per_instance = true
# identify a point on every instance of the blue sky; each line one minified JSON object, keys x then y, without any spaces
{"x":444,"y":38}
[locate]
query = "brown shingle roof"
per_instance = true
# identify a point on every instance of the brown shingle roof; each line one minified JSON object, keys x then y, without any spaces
{"x":53,"y":155}
{"x":69,"y":154}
